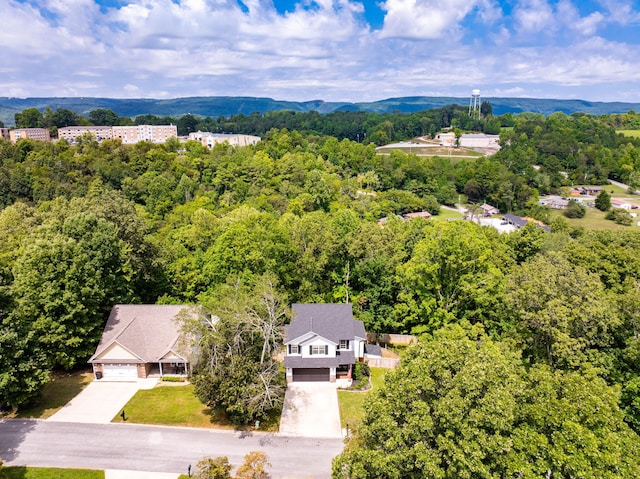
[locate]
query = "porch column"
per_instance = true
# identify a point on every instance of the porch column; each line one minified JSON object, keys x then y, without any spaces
{"x":160,"y":364}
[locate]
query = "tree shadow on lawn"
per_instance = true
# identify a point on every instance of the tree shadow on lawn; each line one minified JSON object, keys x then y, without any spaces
{"x":62,"y":387}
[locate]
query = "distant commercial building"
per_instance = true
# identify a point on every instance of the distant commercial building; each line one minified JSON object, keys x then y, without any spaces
{"x":70,"y":133}
{"x":470,"y":140}
{"x":211,"y":139}
{"x":40,"y":134}
{"x":153,"y":133}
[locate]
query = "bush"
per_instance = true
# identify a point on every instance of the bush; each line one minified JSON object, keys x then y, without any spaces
{"x":173,"y":379}
{"x":575,"y":210}
{"x":361,"y":371}
{"x":620,"y":216}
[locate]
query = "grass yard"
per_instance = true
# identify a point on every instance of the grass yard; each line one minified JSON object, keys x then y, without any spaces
{"x":352,"y":402}
{"x":62,"y":387}
{"x":445,"y":215}
{"x":594,"y":219}
{"x":19,"y":472}
{"x":171,"y":406}
{"x":177,"y":405}
{"x":631,"y":133}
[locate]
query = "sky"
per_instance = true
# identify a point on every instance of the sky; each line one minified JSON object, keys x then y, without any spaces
{"x":332,"y":50}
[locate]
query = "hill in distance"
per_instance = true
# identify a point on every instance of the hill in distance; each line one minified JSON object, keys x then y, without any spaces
{"x":216,"y":106}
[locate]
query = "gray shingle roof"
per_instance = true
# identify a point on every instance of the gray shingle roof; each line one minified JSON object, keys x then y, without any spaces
{"x":147,"y":330}
{"x":345,"y":357}
{"x":331,"y":321}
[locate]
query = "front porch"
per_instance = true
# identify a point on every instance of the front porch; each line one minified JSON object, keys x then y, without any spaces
{"x":160,"y":369}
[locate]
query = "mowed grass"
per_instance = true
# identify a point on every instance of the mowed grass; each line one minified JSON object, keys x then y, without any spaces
{"x":19,"y":472}
{"x":631,"y":133}
{"x":352,"y":402}
{"x":594,"y":220}
{"x":61,"y":388}
{"x":171,"y":406}
{"x":446,"y":215}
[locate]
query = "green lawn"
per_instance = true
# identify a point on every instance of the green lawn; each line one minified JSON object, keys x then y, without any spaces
{"x":171,"y":406}
{"x":352,"y":402}
{"x":594,"y":219}
{"x":19,"y":472}
{"x":177,"y":405}
{"x":446,"y":214}
{"x":62,"y":387}
{"x":631,"y":133}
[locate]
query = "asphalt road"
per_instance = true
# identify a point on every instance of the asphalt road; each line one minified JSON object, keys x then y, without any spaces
{"x":157,"y":448}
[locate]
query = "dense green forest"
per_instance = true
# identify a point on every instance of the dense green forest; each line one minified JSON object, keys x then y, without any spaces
{"x":558,"y":314}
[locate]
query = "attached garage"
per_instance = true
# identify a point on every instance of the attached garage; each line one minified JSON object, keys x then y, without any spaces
{"x":311,"y":374}
{"x":116,"y":370}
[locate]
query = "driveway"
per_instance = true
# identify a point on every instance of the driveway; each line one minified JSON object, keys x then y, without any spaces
{"x":311,"y":410}
{"x":99,"y":402}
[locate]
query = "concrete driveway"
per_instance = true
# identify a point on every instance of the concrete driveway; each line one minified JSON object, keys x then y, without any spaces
{"x":99,"y":402}
{"x":311,"y":410}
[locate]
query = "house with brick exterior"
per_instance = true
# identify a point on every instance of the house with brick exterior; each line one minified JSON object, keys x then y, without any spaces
{"x":323,"y":342}
{"x":142,"y":340}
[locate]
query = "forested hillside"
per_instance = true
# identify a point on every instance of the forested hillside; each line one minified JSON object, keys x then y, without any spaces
{"x":557,"y":314}
{"x":229,"y":106}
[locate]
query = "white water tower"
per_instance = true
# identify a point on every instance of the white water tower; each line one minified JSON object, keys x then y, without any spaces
{"x":474,"y":104}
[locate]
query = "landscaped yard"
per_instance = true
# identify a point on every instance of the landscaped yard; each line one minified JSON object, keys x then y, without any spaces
{"x":352,"y":402}
{"x":63,"y":387}
{"x":19,"y":472}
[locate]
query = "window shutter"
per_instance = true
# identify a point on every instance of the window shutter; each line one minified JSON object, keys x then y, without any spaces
{"x":326,"y":349}
{"x":311,"y":350}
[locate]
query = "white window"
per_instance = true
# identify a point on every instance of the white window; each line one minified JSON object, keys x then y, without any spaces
{"x":294,"y":349}
{"x":344,"y":344}
{"x":319,"y":350}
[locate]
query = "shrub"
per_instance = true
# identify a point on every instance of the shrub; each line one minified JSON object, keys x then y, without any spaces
{"x":361,"y":371}
{"x":620,"y":216}
{"x":575,"y":210}
{"x":173,"y":379}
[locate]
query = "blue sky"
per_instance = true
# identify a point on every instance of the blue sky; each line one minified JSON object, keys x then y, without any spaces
{"x":334,"y":50}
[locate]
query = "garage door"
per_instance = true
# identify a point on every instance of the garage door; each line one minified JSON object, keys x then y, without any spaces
{"x":120,"y":371}
{"x":311,"y":374}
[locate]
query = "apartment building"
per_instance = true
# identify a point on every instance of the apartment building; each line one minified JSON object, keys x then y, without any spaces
{"x":4,"y":133}
{"x":41,"y":134}
{"x":210,"y":139}
{"x":70,"y":133}
{"x":153,"y":133}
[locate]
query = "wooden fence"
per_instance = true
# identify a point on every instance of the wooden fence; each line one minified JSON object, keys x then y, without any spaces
{"x":387,"y":363}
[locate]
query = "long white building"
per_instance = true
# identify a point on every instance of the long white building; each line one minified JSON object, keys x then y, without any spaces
{"x":153,"y":133}
{"x":210,"y":139}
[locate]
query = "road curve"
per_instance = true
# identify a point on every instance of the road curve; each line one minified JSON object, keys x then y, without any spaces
{"x":157,"y":448}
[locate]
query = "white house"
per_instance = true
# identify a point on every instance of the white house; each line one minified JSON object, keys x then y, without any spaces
{"x":323,"y":342}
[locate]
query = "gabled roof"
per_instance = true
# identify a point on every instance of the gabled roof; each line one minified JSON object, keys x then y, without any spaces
{"x":148,"y":331}
{"x":331,"y":321}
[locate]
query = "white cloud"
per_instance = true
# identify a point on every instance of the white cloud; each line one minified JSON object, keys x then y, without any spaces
{"x":317,"y":50}
{"x":427,"y":19}
{"x":534,"y":16}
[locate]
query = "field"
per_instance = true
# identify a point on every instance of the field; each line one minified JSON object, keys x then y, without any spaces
{"x":423,"y":150}
{"x":594,"y":219}
{"x":631,"y":133}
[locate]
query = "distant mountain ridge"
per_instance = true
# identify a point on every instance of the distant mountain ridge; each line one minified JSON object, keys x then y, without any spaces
{"x":215,"y":106}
